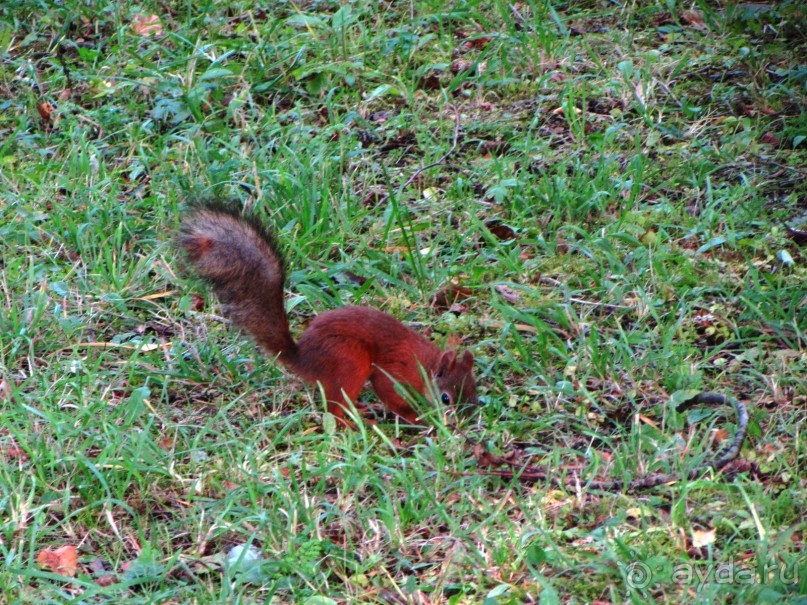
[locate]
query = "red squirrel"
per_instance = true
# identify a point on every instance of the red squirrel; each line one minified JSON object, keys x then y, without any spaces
{"x":341,"y":349}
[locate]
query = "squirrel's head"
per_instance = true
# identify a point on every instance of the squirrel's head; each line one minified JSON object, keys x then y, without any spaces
{"x":455,"y":379}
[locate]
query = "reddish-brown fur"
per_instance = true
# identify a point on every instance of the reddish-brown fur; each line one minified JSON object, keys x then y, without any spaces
{"x":341,"y":349}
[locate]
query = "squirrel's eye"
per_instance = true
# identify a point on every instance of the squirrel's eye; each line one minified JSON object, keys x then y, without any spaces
{"x":445,"y":398}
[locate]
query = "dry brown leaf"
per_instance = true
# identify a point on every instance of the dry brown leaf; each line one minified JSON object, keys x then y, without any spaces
{"x":527,"y":253}
{"x":147,"y":25}
{"x":5,"y":390}
{"x":106,"y":580}
{"x":373,"y":197}
{"x":62,"y":560}
{"x":45,"y":110}
{"x":430,"y":81}
{"x":96,"y":566}
{"x":769,"y":138}
{"x":694,"y":18}
{"x":197,"y":302}
{"x":508,"y":293}
{"x":662,"y":19}
{"x":16,"y":453}
{"x":450,"y":294}
{"x":476,"y":43}
{"x":720,"y":435}
{"x":102,"y":577}
{"x":461,"y":65}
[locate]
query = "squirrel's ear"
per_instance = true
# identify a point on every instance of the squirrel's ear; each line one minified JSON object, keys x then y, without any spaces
{"x":468,"y":359}
{"x":447,"y":362}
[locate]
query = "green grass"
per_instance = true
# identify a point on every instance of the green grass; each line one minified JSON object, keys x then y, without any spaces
{"x":644,"y":158}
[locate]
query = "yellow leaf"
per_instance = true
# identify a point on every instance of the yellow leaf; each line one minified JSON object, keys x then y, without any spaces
{"x":147,"y":25}
{"x":62,"y":560}
{"x":701,"y":538}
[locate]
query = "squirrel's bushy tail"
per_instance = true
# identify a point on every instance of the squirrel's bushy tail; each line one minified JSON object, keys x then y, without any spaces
{"x":240,"y":259}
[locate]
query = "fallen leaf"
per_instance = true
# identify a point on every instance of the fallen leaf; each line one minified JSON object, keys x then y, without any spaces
{"x":96,"y":566}
{"x":380,"y":117}
{"x":147,"y":25}
{"x":355,"y":279}
{"x":430,"y":193}
{"x":527,"y":253}
{"x":662,"y":19}
{"x":197,"y":302}
{"x":45,"y":110}
{"x":720,"y":435}
{"x":429,"y":82}
{"x":769,"y":138}
{"x":373,"y":197}
{"x":500,"y":230}
{"x":634,"y":512}
{"x":694,"y":18}
{"x":450,"y":294}
{"x":5,"y":390}
{"x":102,"y":577}
{"x":16,"y":453}
{"x":701,"y":538}
{"x":459,"y":66}
{"x":508,"y":293}
{"x":106,"y":580}
{"x":476,"y":43}
{"x":496,"y":147}
{"x":63,"y":560}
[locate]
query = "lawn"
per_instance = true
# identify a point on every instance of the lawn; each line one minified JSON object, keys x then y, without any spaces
{"x":605,"y":202}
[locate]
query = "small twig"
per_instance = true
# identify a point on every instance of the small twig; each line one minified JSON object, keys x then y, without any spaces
{"x":554,"y":282}
{"x":580,"y":301}
{"x":670,"y":93}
